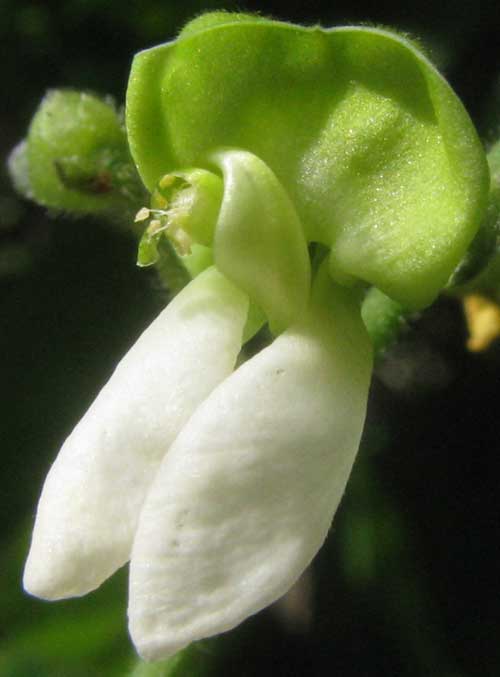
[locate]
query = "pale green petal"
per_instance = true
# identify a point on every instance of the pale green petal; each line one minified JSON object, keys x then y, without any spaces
{"x":91,"y":500}
{"x":246,"y":496}
{"x":259,"y":241}
{"x":376,"y":152}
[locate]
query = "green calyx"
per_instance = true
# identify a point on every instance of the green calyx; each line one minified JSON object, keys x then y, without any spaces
{"x":374,"y":152}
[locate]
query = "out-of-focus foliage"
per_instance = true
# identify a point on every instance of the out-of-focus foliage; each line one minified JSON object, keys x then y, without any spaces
{"x":408,"y":586}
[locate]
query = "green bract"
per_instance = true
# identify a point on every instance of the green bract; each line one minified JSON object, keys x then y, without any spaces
{"x":376,"y":153}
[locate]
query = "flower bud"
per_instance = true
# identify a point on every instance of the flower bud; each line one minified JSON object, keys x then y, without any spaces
{"x":76,"y":156}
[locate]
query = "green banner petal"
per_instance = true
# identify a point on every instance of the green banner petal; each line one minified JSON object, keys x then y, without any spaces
{"x":377,"y":153}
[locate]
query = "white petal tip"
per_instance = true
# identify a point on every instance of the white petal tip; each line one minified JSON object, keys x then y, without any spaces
{"x":39,"y":583}
{"x":53,"y":575}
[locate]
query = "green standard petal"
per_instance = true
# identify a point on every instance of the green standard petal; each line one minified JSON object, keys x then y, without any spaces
{"x":375,"y":150}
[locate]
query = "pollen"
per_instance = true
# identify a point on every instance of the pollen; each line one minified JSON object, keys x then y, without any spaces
{"x":483,"y":321}
{"x":142,"y":214}
{"x":167,"y":180}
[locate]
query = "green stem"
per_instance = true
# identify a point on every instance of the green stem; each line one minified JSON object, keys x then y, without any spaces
{"x":384,"y":319}
{"x":197,"y":660}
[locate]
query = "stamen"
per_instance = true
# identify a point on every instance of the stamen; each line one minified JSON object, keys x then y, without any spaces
{"x":184,"y":207}
{"x":142,"y":214}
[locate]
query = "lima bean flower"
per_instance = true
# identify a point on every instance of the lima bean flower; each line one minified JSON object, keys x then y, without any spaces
{"x":219,"y":482}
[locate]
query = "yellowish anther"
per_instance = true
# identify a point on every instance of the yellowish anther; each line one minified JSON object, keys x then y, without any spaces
{"x":160,"y":200}
{"x":167,"y":180}
{"x":142,"y":214}
{"x":483,"y":321}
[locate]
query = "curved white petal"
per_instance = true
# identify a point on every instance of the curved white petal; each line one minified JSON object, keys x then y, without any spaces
{"x":92,"y":496}
{"x":247,"y":493}
{"x":259,"y":241}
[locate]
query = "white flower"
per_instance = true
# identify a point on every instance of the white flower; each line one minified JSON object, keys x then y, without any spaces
{"x":220,"y":487}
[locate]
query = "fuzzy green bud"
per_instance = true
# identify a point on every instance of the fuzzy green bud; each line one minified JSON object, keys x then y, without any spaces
{"x":75,"y":157}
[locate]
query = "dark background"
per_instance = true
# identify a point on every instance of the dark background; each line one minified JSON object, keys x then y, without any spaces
{"x":407,"y":584}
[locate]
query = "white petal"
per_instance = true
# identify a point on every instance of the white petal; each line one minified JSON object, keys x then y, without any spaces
{"x":259,"y":240}
{"x":92,"y":496}
{"x":247,"y":493}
